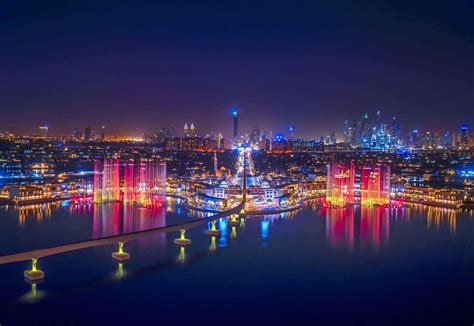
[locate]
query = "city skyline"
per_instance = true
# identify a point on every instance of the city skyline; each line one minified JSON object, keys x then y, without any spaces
{"x":68,"y":67}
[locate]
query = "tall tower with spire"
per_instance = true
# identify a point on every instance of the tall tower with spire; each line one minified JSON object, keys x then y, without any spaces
{"x":235,"y":120}
{"x":186,"y":130}
{"x":215,"y":164}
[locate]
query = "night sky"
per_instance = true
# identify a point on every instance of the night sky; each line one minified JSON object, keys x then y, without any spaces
{"x":138,"y":66}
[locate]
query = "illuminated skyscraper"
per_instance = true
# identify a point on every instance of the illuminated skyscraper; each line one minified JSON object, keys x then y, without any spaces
{"x":464,"y":136}
{"x":219,"y":141}
{"x":415,"y":138}
{"x":448,"y":140}
{"x":88,"y":133}
{"x":347,"y":132}
{"x":215,"y":163}
{"x":102,"y":133}
{"x":291,"y":133}
{"x":186,"y":130}
{"x":255,"y":135}
{"x":235,"y":119}
{"x":192,"y":130}
{"x":364,"y":131}
{"x":77,"y":134}
{"x":43,"y":131}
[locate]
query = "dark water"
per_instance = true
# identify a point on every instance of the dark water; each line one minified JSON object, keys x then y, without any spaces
{"x":354,"y":266}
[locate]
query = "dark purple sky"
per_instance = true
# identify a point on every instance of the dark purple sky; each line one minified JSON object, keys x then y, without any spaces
{"x":138,"y":66}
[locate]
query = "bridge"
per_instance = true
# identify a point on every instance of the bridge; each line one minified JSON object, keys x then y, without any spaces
{"x":35,"y":274}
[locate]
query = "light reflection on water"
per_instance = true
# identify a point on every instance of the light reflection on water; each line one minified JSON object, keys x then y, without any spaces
{"x":344,"y":227}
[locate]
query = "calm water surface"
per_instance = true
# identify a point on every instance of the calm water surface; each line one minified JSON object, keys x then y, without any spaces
{"x":333,"y":266}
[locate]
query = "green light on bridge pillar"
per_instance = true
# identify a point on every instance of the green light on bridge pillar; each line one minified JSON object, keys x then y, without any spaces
{"x":182,"y":241}
{"x":234,"y":221}
{"x":34,"y":274}
{"x":120,"y":255}
{"x":233,"y":234}
{"x":213,"y":230}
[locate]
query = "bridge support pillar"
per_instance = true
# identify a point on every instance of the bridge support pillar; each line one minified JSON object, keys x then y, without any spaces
{"x":34,"y":274}
{"x":233,"y":220}
{"x":182,"y":241}
{"x":213,"y":231}
{"x":120,"y":255}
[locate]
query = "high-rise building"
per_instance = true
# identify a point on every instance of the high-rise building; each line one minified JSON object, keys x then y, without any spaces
{"x":43,"y":131}
{"x":414,"y":138}
{"x":88,"y":133}
{"x":186,"y":130}
{"x":235,"y":120}
{"x":333,"y":138}
{"x":291,"y":132}
{"x":448,"y":140}
{"x":189,"y":131}
{"x":395,"y":133}
{"x":192,"y":130}
{"x":464,"y":136}
{"x":77,"y":134}
{"x":347,"y":128}
{"x":215,"y":164}
{"x":365,"y":131}
{"x":102,"y":133}
{"x":219,"y":141}
{"x":255,"y":135}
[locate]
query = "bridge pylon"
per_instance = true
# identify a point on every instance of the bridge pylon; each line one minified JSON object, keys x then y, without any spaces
{"x":120,"y":255}
{"x":213,"y":231}
{"x":34,"y":274}
{"x":233,"y":220}
{"x":182,"y":241}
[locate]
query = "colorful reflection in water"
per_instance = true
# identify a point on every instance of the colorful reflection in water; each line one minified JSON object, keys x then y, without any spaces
{"x":347,"y":228}
{"x":340,"y":226}
{"x":369,"y":227}
{"x":223,"y":225}
{"x":116,"y":218}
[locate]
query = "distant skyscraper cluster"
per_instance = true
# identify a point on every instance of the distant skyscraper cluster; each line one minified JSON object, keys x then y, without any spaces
{"x":373,"y":134}
{"x":379,"y":135}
